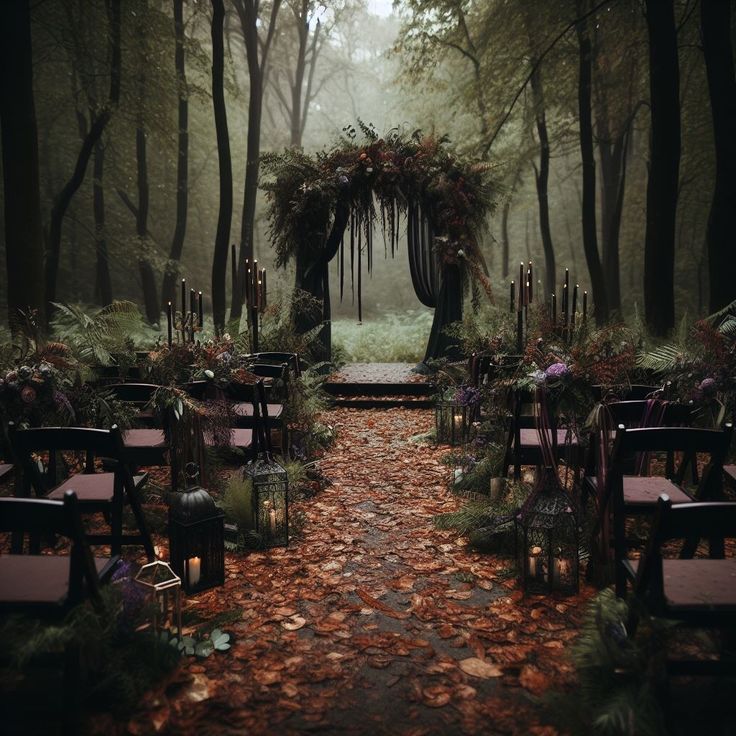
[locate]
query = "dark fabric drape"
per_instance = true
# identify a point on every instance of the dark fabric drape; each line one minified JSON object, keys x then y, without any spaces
{"x":449,"y":309}
{"x":422,"y":256}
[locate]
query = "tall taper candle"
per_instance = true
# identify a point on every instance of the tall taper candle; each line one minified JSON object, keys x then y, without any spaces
{"x":201,"y":311}
{"x":564,"y":305}
{"x":554,"y":311}
{"x":521,"y":285}
{"x":513,"y":297}
{"x":246,"y":268}
{"x":263,"y":295}
{"x":170,"y":318}
{"x":530,"y":278}
{"x":574,"y":304}
{"x":192,"y":312}
{"x":585,"y":306}
{"x":183,"y":300}
{"x":234,"y":269}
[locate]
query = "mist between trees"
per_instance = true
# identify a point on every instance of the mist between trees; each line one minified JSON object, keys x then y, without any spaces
{"x":607,"y":125}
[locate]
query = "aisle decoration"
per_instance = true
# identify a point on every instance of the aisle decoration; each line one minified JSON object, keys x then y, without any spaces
{"x":326,"y":205}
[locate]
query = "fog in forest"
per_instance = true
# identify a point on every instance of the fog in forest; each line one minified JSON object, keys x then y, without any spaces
{"x":499,"y":79}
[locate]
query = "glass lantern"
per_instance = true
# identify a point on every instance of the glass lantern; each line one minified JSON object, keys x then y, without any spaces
{"x":162,"y":587}
{"x":452,"y":422}
{"x":547,"y":539}
{"x":196,"y":537}
{"x":270,"y":499}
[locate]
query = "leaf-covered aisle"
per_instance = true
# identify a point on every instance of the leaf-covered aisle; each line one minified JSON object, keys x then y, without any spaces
{"x":373,"y":621}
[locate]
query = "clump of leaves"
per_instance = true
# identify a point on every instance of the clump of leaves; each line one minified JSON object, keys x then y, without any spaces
{"x":618,"y":676}
{"x":96,"y":336}
{"x":218,"y":641}
{"x":237,"y":501}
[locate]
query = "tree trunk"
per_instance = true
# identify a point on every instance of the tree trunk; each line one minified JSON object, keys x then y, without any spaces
{"x":65,"y":196}
{"x":168,"y":287}
{"x":103,"y":282}
{"x":219,"y":259}
{"x":23,"y":236}
{"x":664,"y":167}
{"x":148,"y":277}
{"x":250,"y":23}
{"x":505,"y":239}
{"x":541,"y":176}
{"x":715,"y":23}
{"x":590,"y":233}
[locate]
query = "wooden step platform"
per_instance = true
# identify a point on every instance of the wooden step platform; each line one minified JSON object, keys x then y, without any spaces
{"x":380,"y":386}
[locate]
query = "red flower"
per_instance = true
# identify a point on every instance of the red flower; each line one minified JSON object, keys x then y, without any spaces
{"x":28,"y":394}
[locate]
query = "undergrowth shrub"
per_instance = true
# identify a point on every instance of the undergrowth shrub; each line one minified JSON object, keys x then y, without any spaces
{"x":393,"y":338}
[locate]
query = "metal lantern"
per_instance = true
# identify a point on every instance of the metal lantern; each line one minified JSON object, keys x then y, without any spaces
{"x":547,"y":539}
{"x":162,"y":586}
{"x":453,"y":421}
{"x":196,"y":538}
{"x":270,"y":499}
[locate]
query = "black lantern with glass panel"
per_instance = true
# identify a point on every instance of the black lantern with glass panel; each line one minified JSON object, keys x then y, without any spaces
{"x":270,"y":483}
{"x":547,"y":539}
{"x":196,"y":537}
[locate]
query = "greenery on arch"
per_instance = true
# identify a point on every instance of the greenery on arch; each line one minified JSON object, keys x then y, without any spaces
{"x":379,"y":179}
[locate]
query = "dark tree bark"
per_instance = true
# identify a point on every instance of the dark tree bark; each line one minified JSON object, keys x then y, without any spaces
{"x":715,"y":24}
{"x":168,"y":287}
{"x":664,"y":167}
{"x":590,"y":234}
{"x":148,"y":277}
{"x":541,"y":177}
{"x":219,"y":259}
{"x":23,"y":235}
{"x":250,"y":23}
{"x":103,"y":282}
{"x":65,"y":196}
{"x":505,"y":239}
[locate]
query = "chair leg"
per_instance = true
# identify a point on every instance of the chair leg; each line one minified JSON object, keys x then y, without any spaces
{"x":71,"y":705}
{"x":140,"y":519}
{"x":116,"y":529}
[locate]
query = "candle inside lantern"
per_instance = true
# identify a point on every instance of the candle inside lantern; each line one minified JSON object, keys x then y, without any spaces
{"x":560,"y":569}
{"x":272,"y":521}
{"x":535,"y":570}
{"x":194,"y":569}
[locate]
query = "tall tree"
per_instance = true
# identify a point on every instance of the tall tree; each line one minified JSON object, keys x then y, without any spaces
{"x":168,"y":287}
{"x":99,"y":121}
{"x":258,"y":35}
{"x":145,"y":268}
{"x":715,"y":24}
{"x":219,"y":258}
{"x":23,"y":235}
{"x":664,"y":167}
{"x":590,"y":236}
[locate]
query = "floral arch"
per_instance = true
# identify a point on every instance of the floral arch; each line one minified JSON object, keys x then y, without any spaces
{"x":326,"y":205}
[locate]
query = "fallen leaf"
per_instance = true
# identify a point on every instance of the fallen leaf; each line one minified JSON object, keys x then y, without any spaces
{"x":476,"y":667}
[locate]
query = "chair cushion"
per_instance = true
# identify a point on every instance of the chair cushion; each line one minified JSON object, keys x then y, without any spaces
{"x":5,"y":469}
{"x":705,"y":585}
{"x":730,"y":472}
{"x":245,"y":409}
{"x":87,"y":486}
{"x":134,"y":438}
{"x":530,"y":437}
{"x":33,"y":579}
{"x":644,"y":491}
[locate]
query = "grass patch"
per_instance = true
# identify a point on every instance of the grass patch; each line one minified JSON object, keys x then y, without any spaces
{"x":393,"y":338}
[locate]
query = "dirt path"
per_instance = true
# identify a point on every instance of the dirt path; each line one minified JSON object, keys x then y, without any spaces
{"x":373,"y":621}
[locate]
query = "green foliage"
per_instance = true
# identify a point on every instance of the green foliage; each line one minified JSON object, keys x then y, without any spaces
{"x":122,"y":663}
{"x":97,"y":336}
{"x":618,"y":677}
{"x":237,"y":501}
{"x":218,"y":641}
{"x":98,"y":407}
{"x":394,"y":338}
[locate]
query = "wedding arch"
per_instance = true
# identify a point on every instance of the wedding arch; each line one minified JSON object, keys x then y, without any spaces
{"x":325,"y":206}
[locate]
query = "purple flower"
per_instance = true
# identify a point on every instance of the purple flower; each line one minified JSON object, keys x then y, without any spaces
{"x":707,"y":386}
{"x":467,"y":396}
{"x":556,"y":370}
